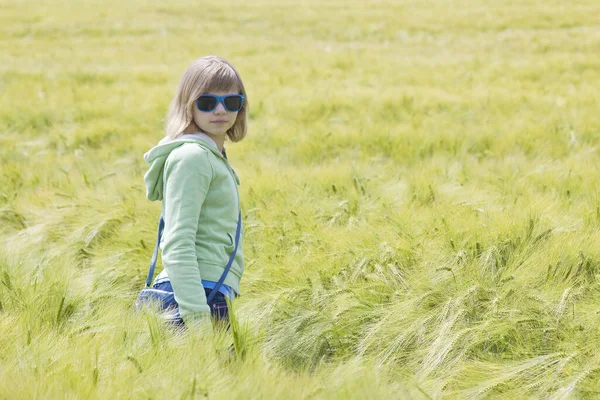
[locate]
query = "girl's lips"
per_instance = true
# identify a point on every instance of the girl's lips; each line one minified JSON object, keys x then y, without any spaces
{"x":219,"y":122}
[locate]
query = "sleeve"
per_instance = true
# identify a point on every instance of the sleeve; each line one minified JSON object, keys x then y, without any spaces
{"x":188,"y":174}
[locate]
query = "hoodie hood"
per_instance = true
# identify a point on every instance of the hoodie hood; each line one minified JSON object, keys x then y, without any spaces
{"x":157,"y":156}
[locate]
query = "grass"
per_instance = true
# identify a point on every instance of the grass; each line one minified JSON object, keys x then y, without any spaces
{"x":420,"y":189}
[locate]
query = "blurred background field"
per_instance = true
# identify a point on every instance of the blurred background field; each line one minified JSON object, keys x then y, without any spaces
{"x":420,"y":190}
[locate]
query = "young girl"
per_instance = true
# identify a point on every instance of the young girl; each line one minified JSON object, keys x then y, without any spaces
{"x":190,"y":174}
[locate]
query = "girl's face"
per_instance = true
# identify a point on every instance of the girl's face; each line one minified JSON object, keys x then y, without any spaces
{"x":218,"y":121}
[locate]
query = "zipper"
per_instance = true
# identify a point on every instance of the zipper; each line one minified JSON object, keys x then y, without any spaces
{"x":236,"y":180}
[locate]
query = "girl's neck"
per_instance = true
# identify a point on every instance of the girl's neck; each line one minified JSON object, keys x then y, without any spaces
{"x":218,"y":139}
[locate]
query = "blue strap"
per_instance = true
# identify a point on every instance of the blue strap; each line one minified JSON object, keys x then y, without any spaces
{"x":161,"y":227}
{"x":215,"y":290}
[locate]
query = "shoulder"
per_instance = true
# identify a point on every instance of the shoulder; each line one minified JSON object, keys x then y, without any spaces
{"x":188,"y":152}
{"x":191,"y":156}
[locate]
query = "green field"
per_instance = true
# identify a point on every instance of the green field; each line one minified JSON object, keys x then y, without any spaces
{"x":420,"y":189}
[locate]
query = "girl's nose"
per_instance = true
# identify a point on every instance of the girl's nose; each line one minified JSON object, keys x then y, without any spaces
{"x":220,"y":108}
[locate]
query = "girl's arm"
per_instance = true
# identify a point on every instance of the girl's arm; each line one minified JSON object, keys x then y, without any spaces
{"x":188,"y":174}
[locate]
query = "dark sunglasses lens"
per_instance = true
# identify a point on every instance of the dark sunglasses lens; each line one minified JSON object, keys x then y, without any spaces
{"x":233,"y":103}
{"x":206,"y":103}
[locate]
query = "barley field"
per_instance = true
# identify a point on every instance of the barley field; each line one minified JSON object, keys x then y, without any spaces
{"x":420,"y":189}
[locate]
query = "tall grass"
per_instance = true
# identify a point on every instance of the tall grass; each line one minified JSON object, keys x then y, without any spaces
{"x":420,"y":190}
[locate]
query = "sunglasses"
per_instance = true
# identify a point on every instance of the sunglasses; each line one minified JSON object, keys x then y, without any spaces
{"x":231,"y":102}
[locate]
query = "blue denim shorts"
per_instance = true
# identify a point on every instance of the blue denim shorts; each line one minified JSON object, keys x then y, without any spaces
{"x":218,"y":305}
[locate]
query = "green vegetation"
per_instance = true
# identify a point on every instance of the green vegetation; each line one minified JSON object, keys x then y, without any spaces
{"x":420,"y":187}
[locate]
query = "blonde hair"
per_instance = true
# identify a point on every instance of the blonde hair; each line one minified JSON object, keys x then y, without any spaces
{"x":206,"y":74}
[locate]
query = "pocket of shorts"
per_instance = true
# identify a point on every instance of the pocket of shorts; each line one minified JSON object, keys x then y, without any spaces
{"x":219,"y":305}
{"x":219,"y":309}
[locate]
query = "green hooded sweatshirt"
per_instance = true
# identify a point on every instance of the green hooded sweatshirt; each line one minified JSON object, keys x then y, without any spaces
{"x":200,"y":205}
